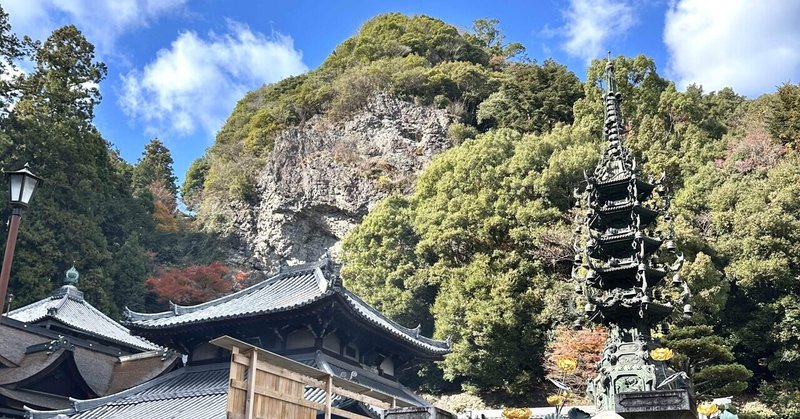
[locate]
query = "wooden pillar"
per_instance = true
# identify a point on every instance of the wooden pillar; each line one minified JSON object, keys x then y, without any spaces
{"x":235,"y":374}
{"x":251,"y":384}
{"x":328,"y":396}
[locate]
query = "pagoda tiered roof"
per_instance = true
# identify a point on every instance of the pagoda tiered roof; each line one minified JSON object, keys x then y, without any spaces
{"x":624,"y":275}
{"x":290,"y":290}
{"x":620,"y":215}
{"x":619,"y":245}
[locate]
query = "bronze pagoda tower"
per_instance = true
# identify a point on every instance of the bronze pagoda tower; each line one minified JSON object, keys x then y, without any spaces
{"x":625,"y":267}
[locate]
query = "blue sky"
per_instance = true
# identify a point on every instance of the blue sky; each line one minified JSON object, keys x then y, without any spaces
{"x":177,"y":67}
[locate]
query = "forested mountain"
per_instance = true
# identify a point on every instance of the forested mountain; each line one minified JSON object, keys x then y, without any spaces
{"x":478,"y":247}
{"x":447,"y":160}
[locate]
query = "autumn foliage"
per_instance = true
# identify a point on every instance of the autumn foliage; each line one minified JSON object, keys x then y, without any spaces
{"x":194,"y":284}
{"x":584,"y":346}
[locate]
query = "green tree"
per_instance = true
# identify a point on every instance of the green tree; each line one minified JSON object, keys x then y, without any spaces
{"x":385,"y":261}
{"x":488,"y":36}
{"x":129,"y":273}
{"x":784,"y":121}
{"x":708,"y":361}
{"x":532,"y":98}
{"x":192,"y":188}
{"x":11,"y":49}
{"x":155,"y":166}
{"x":483,"y":238}
{"x":85,"y":209}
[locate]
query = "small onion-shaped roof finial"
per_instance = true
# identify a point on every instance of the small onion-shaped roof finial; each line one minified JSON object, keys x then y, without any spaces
{"x":71,"y":277}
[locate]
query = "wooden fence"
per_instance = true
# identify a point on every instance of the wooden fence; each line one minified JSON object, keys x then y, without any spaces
{"x":265,"y":385}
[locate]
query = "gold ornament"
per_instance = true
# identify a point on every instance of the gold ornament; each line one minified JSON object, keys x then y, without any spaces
{"x":517,"y":413}
{"x":567,"y":364}
{"x":661,"y":354}
{"x":556,"y":399}
{"x":707,"y":408}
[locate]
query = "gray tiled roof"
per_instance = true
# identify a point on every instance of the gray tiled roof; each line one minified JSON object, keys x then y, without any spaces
{"x":293,"y":288}
{"x":376,"y":317}
{"x":68,"y":307}
{"x":200,"y":392}
{"x":193,"y":392}
{"x":368,"y":379}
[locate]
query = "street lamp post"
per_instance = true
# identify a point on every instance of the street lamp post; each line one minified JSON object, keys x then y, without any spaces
{"x":22,"y":184}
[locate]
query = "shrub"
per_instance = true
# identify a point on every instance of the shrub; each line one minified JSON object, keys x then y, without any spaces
{"x":457,"y":133}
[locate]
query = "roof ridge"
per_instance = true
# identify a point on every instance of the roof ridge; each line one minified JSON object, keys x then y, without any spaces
{"x":59,"y":309}
{"x":178,"y":309}
{"x":147,"y":345}
{"x":173,"y":394}
{"x":408,"y":332}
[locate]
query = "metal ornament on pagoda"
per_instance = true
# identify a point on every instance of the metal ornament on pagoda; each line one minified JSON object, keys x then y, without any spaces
{"x":626,"y":268}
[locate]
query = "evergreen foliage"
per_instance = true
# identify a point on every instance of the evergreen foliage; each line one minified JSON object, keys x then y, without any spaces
{"x":94,"y":209}
{"x":86,"y":205}
{"x":709,"y":362}
{"x":155,"y":167}
{"x":483,"y":251}
{"x":784,"y":122}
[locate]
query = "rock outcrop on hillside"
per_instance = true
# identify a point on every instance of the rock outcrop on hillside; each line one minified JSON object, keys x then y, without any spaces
{"x":323,"y":177}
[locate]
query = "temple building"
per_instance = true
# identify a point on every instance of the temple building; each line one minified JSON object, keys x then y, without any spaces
{"x":302,"y":312}
{"x":62,"y":347}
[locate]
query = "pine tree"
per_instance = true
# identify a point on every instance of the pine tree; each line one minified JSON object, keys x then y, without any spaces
{"x":155,"y":166}
{"x":708,"y":361}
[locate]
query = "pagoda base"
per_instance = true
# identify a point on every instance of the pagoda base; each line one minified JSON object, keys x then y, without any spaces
{"x":660,"y":404}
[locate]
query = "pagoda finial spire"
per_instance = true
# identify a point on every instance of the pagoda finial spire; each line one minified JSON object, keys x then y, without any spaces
{"x":611,"y":84}
{"x":613,"y":127}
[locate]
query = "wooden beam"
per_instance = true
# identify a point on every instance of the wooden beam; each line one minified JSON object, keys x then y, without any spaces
{"x":251,"y":384}
{"x":283,"y":372}
{"x":361,"y":398}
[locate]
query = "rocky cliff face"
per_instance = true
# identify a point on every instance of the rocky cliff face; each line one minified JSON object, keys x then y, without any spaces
{"x":323,"y":177}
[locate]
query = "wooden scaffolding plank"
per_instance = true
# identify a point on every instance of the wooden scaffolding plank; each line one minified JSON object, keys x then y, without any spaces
{"x":266,"y":385}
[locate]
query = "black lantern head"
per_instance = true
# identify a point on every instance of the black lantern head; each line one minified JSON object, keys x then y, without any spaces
{"x":22,"y":184}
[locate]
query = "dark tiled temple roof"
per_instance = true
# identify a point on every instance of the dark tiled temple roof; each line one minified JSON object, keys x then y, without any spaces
{"x":33,"y":354}
{"x":200,"y":392}
{"x":290,"y":289}
{"x":192,"y":392}
{"x":68,"y":307}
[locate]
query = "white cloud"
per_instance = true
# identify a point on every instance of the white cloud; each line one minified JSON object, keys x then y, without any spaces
{"x":196,"y":82}
{"x":591,"y":24}
{"x":751,"y":46}
{"x":102,"y":22}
